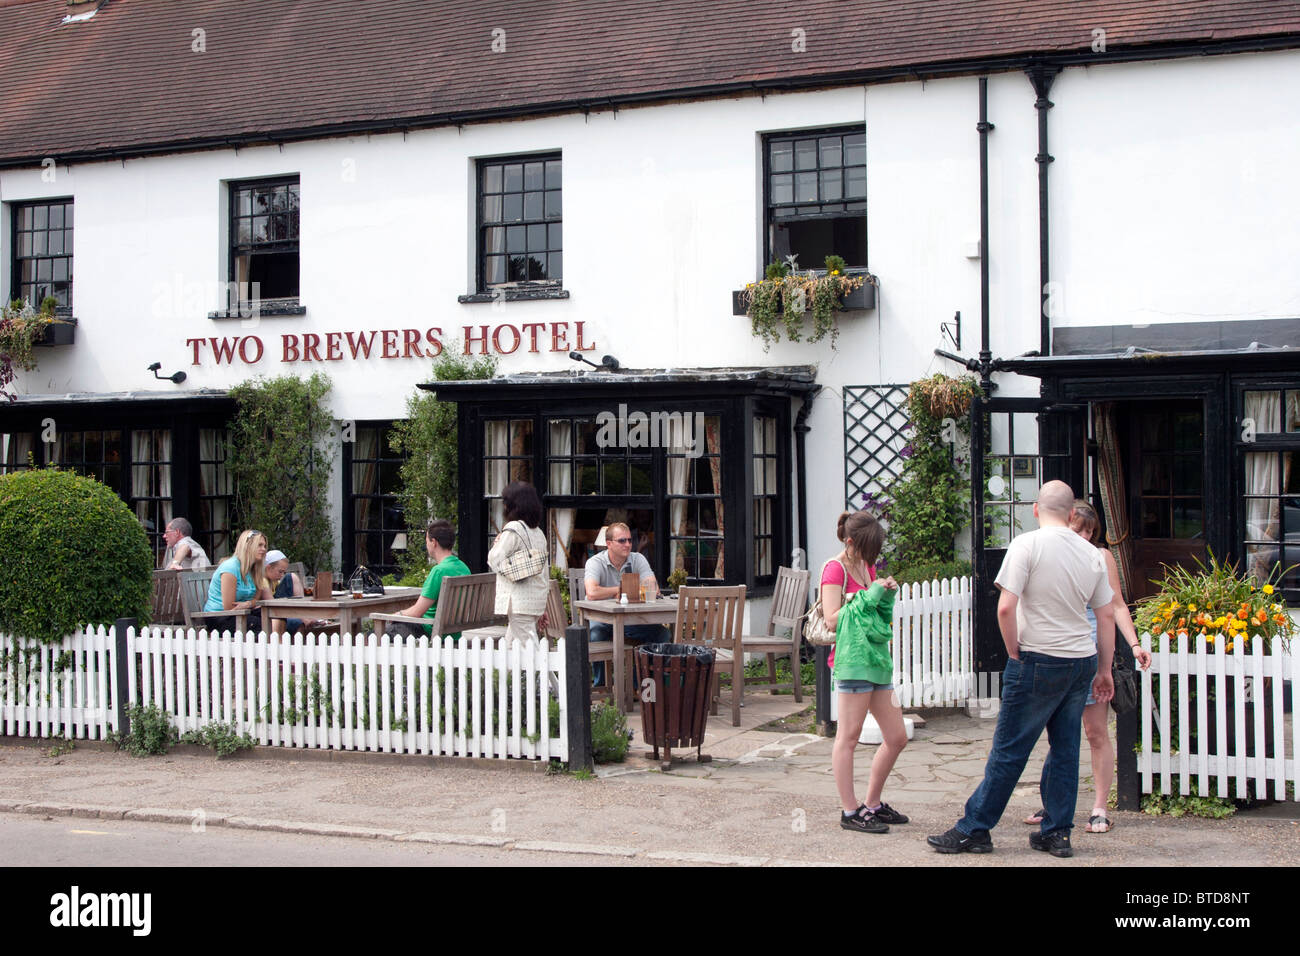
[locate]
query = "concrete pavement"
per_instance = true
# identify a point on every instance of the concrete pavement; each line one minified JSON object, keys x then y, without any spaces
{"x":767,"y":798}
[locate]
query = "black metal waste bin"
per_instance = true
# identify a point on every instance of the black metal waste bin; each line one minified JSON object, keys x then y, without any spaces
{"x":675,"y":701}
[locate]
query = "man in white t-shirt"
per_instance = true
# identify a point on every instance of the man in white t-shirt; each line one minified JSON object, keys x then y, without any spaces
{"x":1047,"y":579}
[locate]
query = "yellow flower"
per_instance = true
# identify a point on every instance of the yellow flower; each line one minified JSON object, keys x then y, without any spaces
{"x":1209,"y":638}
{"x":1268,"y":589}
{"x":1229,"y":647}
{"x":1191,"y":607}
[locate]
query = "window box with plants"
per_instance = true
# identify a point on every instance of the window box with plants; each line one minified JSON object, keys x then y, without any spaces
{"x":784,"y":298}
{"x":22,"y":328}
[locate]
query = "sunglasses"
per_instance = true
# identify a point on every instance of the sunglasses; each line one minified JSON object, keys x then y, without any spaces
{"x":622,"y":540}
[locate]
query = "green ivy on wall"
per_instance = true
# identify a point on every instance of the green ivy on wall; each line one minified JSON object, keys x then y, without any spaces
{"x":428,"y":439}
{"x":282,"y":447}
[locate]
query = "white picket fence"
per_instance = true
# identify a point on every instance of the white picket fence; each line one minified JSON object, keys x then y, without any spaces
{"x":473,"y":698}
{"x":1236,"y":704}
{"x":933,"y":648}
{"x":66,"y":689}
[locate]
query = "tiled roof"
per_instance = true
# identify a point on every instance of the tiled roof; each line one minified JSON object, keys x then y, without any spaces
{"x":131,"y":78}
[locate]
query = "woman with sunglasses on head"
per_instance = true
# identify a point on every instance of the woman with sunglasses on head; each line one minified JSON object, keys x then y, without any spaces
{"x":240,"y":582}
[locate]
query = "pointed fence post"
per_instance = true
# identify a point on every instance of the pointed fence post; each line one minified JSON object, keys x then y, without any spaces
{"x":121,"y":659}
{"x":577,"y":693}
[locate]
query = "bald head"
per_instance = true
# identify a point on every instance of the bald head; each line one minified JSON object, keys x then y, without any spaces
{"x":1055,"y":499}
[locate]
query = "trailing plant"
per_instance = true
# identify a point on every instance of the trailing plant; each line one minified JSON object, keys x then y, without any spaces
{"x":609,"y":739}
{"x":929,"y":503}
{"x":782,"y":297}
{"x":1216,"y":603}
{"x":223,"y":738}
{"x":1176,"y":805}
{"x":151,"y":733}
{"x":20,"y":327}
{"x":281,"y":454}
{"x":428,"y":440}
{"x":74,"y":555}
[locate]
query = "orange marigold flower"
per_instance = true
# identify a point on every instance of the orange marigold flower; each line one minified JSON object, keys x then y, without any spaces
{"x":1243,"y":613}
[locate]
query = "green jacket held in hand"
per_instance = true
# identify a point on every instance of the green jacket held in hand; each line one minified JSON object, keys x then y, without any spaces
{"x":862,"y":636}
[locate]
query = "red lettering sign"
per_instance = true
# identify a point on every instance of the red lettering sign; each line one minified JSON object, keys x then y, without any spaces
{"x":363,"y":343}
{"x":243,"y":350}
{"x":496,"y":339}
{"x":560,"y":337}
{"x":579,"y":346}
{"x":194,"y":342}
{"x":532,"y":328}
{"x":390,"y":344}
{"x":434,"y":338}
{"x":411,"y":341}
{"x":224,"y":349}
{"x":333,"y":346}
{"x":310,"y":347}
{"x":288,"y":348}
{"x":481,"y":338}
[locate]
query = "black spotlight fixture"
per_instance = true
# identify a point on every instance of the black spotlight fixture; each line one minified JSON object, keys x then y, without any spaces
{"x":606,"y":361}
{"x":176,"y":378}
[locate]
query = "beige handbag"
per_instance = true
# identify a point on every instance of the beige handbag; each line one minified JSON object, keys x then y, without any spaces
{"x":523,"y":564}
{"x":815,"y":631}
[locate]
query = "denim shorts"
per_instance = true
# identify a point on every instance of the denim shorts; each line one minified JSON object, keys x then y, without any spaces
{"x":860,"y":686}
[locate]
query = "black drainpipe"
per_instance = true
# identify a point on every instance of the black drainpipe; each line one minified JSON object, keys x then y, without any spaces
{"x":822,"y":694}
{"x":1041,"y":76}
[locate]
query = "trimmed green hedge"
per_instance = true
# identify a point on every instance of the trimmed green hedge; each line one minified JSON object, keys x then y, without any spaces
{"x":929,"y":570}
{"x":73,"y":554}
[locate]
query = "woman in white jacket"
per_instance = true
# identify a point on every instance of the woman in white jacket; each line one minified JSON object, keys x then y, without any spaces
{"x":524,"y":601}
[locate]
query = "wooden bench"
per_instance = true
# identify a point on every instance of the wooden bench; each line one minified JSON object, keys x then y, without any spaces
{"x":166,"y":606}
{"x":465,"y":602}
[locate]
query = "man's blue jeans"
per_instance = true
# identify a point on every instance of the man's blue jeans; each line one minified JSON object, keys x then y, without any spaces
{"x":635,"y":634}
{"x":1038,"y":692}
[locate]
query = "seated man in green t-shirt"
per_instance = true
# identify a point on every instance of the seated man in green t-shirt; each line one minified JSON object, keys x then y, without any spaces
{"x":438,"y":539}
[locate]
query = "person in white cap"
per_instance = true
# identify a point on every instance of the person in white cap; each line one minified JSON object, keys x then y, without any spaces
{"x":285,"y":584}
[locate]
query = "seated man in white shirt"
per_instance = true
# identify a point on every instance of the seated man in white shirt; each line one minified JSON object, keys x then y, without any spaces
{"x":604,"y":575}
{"x":183,"y":552}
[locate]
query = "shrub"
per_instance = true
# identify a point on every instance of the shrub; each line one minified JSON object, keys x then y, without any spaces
{"x":428,"y":439}
{"x":280,"y":461}
{"x":608,"y":733}
{"x":74,"y":554}
{"x":151,"y":733}
{"x":930,"y":570}
{"x":223,"y":738}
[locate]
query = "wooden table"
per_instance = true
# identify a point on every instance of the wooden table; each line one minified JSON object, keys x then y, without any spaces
{"x":609,"y":611}
{"x":344,"y":608}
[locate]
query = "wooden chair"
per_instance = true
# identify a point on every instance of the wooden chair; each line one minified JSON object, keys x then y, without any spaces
{"x":466,"y":602}
{"x":789,"y":604}
{"x":166,"y":606}
{"x":300,"y":569}
{"x":194,"y":594}
{"x":713,"y":617}
{"x":577,"y":592}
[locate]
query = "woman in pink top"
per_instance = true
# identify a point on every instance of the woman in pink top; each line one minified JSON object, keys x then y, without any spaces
{"x":853,"y":571}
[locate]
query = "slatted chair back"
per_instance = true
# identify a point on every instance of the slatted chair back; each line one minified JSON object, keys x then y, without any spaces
{"x":711,"y":617}
{"x":466,"y":602}
{"x":555,"y":617}
{"x":577,"y":592}
{"x":166,"y":606}
{"x":789,"y":603}
{"x":194,"y":587}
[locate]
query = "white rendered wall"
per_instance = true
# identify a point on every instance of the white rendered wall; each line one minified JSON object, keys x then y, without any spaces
{"x":1173,"y":197}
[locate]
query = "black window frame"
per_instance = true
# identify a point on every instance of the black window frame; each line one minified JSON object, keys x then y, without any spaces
{"x":1275,"y":444}
{"x":392,"y":518}
{"x":16,"y":284}
{"x":236,"y":305}
{"x":770,"y":252}
{"x":734,"y":405}
{"x":547,"y":287}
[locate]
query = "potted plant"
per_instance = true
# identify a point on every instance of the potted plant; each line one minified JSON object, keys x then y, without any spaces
{"x":783,"y":296}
